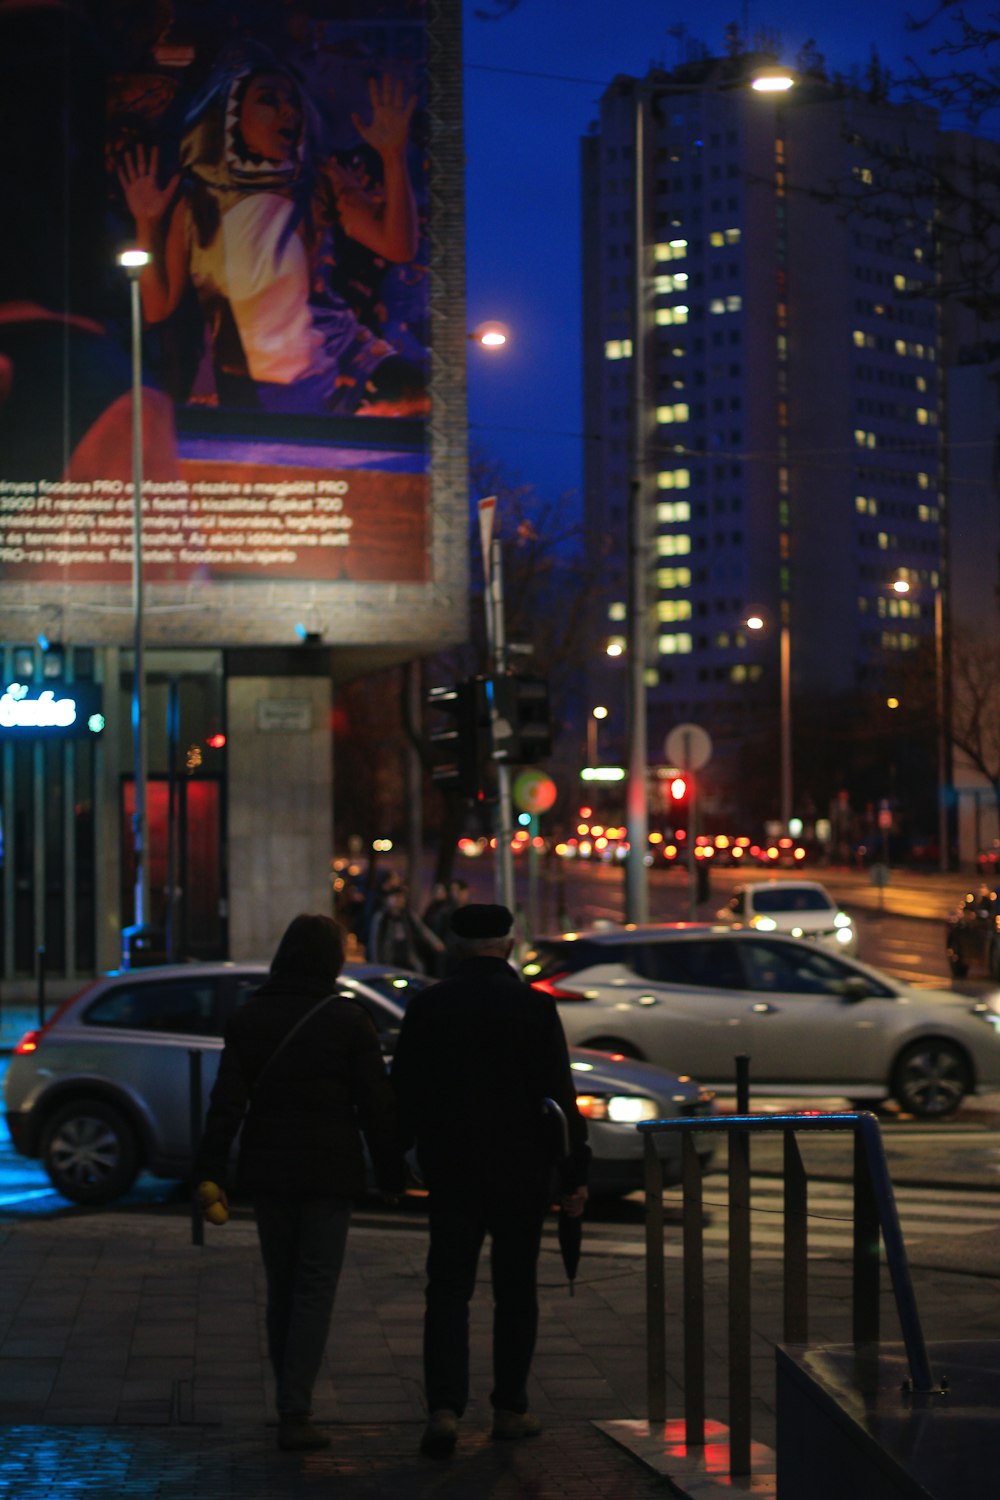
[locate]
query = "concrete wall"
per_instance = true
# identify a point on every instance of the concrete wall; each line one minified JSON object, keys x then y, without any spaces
{"x":280,"y":807}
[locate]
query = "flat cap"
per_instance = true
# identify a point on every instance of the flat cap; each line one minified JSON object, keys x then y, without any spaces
{"x":478,"y":922}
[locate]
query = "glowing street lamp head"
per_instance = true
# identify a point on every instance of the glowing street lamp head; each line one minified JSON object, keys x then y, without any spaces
{"x":901,"y":586}
{"x":133,"y":260}
{"x":599,"y":712}
{"x":754,"y":622}
{"x":490,"y":335}
{"x":772,"y":80}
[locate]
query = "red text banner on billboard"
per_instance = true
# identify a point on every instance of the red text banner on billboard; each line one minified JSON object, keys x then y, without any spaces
{"x":275,"y":162}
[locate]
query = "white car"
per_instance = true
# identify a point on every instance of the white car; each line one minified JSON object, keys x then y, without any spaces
{"x":814,"y":1024}
{"x":802,"y":908}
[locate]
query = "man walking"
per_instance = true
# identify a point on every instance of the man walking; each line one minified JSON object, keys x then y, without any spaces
{"x":476,"y":1059}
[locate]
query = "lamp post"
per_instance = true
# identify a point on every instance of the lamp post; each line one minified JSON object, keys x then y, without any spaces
{"x":764,"y":79}
{"x":133,"y":262}
{"x":901,"y":585}
{"x":757,"y":622}
{"x":595,"y":714}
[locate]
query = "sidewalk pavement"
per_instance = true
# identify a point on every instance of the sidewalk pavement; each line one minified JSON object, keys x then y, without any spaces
{"x":132,"y":1363}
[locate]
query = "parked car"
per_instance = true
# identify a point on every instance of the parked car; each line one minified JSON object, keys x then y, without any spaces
{"x":972,"y":937}
{"x":803,"y":908}
{"x":104,"y":1089}
{"x":814,"y":1023}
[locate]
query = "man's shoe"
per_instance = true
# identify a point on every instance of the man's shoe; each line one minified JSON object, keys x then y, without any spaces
{"x":297,"y":1434}
{"x":515,"y":1424}
{"x":440,"y":1434}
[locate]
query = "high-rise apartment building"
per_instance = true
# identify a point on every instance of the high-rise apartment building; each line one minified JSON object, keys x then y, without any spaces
{"x":787,"y":460}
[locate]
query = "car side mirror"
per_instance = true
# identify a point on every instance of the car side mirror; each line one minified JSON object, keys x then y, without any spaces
{"x":854,"y":988}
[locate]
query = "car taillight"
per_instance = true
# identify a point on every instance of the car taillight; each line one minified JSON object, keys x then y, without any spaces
{"x":31,"y":1039}
{"x":554,"y":987}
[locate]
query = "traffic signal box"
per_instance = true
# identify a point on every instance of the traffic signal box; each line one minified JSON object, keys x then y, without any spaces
{"x":524,"y":726}
{"x":463,"y":748}
{"x":460,"y":746}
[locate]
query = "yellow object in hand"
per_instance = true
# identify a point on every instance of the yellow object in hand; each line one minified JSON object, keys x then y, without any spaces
{"x":216,"y":1213}
{"x":209,"y":1192}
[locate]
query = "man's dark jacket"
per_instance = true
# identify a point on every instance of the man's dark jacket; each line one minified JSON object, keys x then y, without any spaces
{"x":476,"y":1057}
{"x":301,"y":1132}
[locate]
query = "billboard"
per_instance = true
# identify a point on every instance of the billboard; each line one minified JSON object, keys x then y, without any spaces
{"x":275,"y":159}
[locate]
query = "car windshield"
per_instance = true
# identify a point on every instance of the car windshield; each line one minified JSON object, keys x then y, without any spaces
{"x":791,"y":898}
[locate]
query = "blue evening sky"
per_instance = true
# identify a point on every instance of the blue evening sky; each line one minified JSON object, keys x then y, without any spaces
{"x":533,"y":79}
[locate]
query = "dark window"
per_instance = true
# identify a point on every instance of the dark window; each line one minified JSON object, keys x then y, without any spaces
{"x":708,"y":963}
{"x":183,"y":1007}
{"x":791,"y":898}
{"x":791,"y":968}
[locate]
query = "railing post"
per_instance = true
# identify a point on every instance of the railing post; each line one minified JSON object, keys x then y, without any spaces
{"x":195,"y":1118}
{"x":656,"y":1308}
{"x":694,"y":1297}
{"x":866,"y":1249}
{"x":796,"y":1246}
{"x":739,"y":1301}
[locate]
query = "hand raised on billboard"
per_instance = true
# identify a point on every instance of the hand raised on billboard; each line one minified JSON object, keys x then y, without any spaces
{"x":147,"y":201}
{"x":392,"y":111}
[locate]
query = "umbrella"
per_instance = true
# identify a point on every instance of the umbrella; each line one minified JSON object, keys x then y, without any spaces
{"x":570,"y":1243}
{"x":570,"y":1225}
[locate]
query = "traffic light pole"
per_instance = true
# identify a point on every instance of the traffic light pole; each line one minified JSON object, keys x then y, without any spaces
{"x":496,"y":635}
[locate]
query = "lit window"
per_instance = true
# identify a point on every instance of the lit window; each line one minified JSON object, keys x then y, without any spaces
{"x":618,"y":349}
{"x":900,"y":346}
{"x":717,"y":305}
{"x":616,"y":611}
{"x":670,"y":511}
{"x":722,"y":639}
{"x":733,"y":236}
{"x":673,"y":578}
{"x":883,"y":540}
{"x":662,"y":285}
{"x":738,"y":673}
{"x":923,"y":480}
{"x":859,"y":338}
{"x":733,"y":304}
{"x":675,"y":645}
{"x":923,"y":513}
{"x":673,"y":250}
{"x":673,"y":546}
{"x":922,"y":415}
{"x":671,"y":610}
{"x":668,"y":315}
{"x":674,"y":479}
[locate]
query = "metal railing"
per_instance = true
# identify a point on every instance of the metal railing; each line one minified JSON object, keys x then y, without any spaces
{"x":875,"y":1213}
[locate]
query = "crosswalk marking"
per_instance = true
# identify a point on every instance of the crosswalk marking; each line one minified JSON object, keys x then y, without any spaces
{"x":923,"y":1213}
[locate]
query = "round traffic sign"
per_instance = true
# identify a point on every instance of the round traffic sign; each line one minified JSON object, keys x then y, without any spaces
{"x":688,"y":747}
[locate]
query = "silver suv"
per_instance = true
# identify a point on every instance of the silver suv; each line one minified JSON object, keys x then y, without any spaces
{"x":103,"y":1090}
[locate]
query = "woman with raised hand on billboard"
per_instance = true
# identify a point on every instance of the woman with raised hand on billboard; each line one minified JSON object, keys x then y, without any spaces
{"x":251,"y":219}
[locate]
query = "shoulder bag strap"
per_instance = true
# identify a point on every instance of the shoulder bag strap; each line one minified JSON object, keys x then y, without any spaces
{"x":288,"y":1037}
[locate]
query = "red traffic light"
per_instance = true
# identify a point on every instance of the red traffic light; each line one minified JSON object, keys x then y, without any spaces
{"x":678,"y":788}
{"x":216,"y":741}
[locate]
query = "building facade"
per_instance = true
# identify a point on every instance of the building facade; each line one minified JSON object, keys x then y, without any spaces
{"x":788,"y":464}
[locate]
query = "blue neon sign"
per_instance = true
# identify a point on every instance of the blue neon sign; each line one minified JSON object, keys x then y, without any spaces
{"x":26,"y":712}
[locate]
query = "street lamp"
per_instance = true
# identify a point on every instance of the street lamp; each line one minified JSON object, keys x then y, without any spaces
{"x":595,"y":713}
{"x":133,"y":263}
{"x":901,"y":585}
{"x":757,"y":622}
{"x":489,"y":335}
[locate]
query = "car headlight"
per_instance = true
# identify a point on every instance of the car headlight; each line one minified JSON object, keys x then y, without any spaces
{"x":765,"y":924}
{"x":844,"y":934}
{"x":842,"y":920}
{"x":621,"y":1109}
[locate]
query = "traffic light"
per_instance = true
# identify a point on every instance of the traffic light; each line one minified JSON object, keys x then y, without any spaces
{"x":678,"y":788}
{"x":460,"y":748}
{"x":523,"y":733}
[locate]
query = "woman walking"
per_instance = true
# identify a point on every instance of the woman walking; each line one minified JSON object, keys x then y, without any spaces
{"x":303,"y":1074}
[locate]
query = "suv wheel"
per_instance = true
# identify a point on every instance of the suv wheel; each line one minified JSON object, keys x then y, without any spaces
{"x":931,"y":1078}
{"x":90,"y":1152}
